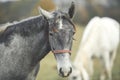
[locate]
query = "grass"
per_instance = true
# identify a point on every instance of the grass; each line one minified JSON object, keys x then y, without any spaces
{"x":48,"y":69}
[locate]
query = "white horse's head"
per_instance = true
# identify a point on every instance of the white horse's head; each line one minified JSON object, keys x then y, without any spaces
{"x":75,"y":75}
{"x":79,"y":73}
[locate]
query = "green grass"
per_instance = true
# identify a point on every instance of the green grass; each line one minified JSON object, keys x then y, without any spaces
{"x":48,"y":70}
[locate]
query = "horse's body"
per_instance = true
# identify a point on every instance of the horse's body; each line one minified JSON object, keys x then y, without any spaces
{"x":23,"y":44}
{"x":100,"y":39}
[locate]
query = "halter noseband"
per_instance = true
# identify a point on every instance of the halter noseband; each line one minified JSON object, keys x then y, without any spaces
{"x":61,"y":51}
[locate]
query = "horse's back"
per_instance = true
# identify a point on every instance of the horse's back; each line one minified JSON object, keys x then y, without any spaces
{"x":109,"y":32}
{"x":111,"y":21}
{"x":103,"y":32}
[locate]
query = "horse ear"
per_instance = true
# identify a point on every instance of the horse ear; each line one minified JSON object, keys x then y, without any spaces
{"x":71,"y":10}
{"x":45,"y":13}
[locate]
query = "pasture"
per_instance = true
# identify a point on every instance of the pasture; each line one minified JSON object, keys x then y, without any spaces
{"x":48,"y":64}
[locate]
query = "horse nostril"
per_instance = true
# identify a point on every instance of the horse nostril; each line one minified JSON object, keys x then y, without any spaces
{"x":65,"y":74}
{"x":61,"y":71}
{"x":74,"y":77}
{"x":70,"y":70}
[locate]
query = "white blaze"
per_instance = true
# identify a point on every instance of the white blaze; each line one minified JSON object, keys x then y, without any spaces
{"x":60,"y":24}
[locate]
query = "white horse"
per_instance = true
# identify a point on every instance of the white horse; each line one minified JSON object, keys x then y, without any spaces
{"x":100,"y":39}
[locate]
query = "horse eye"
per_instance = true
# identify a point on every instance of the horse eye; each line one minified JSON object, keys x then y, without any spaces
{"x":73,"y":32}
{"x":50,"y":33}
{"x":74,"y":77}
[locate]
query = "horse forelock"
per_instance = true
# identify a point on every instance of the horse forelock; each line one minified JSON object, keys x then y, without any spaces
{"x":64,"y":15}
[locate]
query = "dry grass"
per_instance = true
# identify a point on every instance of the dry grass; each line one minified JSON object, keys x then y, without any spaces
{"x":48,"y":69}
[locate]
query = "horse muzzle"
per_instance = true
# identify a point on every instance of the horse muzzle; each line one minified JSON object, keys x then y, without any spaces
{"x":64,"y":73}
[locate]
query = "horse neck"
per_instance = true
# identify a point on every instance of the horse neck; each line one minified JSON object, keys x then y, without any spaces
{"x":89,"y":45}
{"x":82,"y":56}
{"x":28,"y":38}
{"x":90,"y":36}
{"x":38,"y":38}
{"x":82,"y":60}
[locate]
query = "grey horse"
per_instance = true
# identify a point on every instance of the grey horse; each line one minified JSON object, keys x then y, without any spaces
{"x":23,"y":44}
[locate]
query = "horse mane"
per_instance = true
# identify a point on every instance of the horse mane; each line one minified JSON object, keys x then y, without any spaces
{"x":3,"y":27}
{"x":25,"y":27}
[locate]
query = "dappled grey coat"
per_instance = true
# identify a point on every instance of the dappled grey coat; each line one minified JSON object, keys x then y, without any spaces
{"x":22,"y":46}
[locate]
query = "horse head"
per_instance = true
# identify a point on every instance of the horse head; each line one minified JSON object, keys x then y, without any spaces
{"x":61,"y":31}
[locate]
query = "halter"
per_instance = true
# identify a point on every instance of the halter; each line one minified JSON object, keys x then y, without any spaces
{"x":63,"y":51}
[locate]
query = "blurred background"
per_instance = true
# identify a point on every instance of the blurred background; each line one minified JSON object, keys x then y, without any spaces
{"x":16,"y":10}
{"x":11,"y":10}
